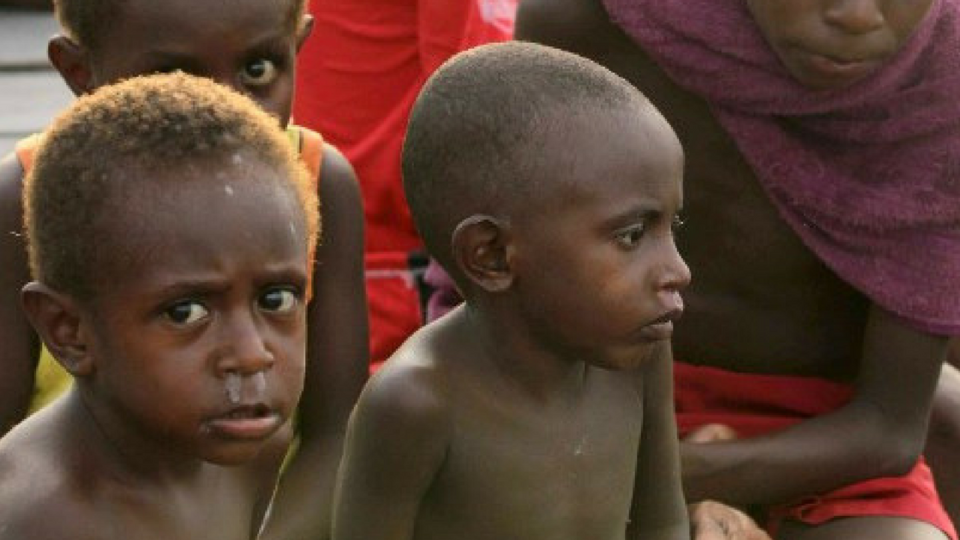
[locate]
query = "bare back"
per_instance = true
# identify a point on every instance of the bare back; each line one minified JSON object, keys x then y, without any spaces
{"x":469,"y":455}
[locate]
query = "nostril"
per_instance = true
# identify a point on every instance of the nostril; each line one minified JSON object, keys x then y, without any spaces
{"x":855,"y":16}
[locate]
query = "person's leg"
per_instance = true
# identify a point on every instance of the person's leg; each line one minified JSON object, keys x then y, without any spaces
{"x":943,"y":439}
{"x":861,"y":528}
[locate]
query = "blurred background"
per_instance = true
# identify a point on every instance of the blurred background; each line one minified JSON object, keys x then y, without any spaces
{"x":31,"y":92}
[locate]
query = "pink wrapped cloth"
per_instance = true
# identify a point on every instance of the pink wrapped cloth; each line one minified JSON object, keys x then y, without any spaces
{"x":868,"y":175}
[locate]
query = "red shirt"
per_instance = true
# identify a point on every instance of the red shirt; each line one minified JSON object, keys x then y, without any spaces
{"x":359,"y":74}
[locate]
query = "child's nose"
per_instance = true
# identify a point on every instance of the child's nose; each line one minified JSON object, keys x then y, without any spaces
{"x":854,"y":16}
{"x":244,"y":349}
{"x":676,"y":273}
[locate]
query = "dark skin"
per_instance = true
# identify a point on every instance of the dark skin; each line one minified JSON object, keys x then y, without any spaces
{"x":542,"y":409}
{"x":251,"y":50}
{"x":148,"y":443}
{"x":741,"y":316}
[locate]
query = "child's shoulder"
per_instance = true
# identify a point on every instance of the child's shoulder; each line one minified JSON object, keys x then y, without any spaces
{"x":40,"y":496}
{"x":413,"y":385}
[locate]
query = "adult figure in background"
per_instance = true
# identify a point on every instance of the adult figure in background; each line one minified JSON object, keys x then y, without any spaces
{"x":829,"y":129}
{"x":357,"y":81}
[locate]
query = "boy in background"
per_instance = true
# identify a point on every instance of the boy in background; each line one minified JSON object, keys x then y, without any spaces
{"x":185,"y":336}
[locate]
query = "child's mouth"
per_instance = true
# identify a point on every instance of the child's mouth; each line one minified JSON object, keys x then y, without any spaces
{"x":255,"y":421}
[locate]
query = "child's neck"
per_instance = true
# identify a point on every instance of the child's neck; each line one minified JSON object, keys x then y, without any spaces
{"x":545,"y":375}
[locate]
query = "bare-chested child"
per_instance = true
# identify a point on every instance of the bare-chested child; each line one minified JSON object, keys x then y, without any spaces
{"x":170,"y":228}
{"x":822,"y":144}
{"x":541,"y":409}
{"x":249,"y":45}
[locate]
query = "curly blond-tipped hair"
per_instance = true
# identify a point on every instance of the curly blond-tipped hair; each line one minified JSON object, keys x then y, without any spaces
{"x":153,"y":122}
{"x":85,"y":20}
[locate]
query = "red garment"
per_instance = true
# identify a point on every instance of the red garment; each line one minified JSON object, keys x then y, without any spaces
{"x":358,"y":76}
{"x":753,"y":404}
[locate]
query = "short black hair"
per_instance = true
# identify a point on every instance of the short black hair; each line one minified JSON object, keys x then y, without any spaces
{"x":85,"y":20}
{"x":152,"y":122}
{"x":472,"y":141}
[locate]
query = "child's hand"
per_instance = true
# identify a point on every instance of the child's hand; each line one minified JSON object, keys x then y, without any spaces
{"x":711,"y":433}
{"x":711,"y":520}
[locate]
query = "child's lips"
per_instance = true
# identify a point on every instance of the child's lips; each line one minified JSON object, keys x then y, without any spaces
{"x":662,"y":327}
{"x":255,"y":422}
{"x":657,"y":331}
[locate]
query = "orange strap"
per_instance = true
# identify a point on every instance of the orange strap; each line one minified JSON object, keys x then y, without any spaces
{"x":26,"y":150}
{"x":309,"y":145}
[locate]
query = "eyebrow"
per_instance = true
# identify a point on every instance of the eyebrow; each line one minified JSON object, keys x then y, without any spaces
{"x":277,"y":273}
{"x":641,"y":211}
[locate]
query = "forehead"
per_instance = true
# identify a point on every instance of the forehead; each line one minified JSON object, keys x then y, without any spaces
{"x":209,"y":26}
{"x":222,"y":213}
{"x":621,"y":158}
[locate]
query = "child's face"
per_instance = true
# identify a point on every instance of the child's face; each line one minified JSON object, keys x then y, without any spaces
{"x":829,"y":44}
{"x":245,"y":44}
{"x":597,"y":269}
{"x":198,"y":323}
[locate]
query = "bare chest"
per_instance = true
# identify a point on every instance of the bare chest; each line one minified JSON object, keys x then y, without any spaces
{"x":516,"y":472}
{"x":759,"y":301}
{"x":216,"y":512}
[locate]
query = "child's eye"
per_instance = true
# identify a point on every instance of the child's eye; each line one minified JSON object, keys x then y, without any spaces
{"x":279,"y":300}
{"x":259,"y":72}
{"x":186,"y":312}
{"x":629,"y":238}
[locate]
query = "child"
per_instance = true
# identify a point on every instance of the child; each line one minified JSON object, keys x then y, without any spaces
{"x":541,"y":410}
{"x":185,"y":335}
{"x":823,"y":138}
{"x":249,"y":45}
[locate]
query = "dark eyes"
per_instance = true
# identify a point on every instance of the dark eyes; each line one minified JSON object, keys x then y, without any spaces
{"x":630,"y":237}
{"x":279,"y":300}
{"x":259,"y":72}
{"x":186,"y":312}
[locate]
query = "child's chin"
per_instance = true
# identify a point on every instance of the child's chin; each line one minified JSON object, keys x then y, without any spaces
{"x":627,"y":358}
{"x":235,"y":456}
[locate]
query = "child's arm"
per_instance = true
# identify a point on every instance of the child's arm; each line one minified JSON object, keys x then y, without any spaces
{"x":943,"y":439}
{"x":337,"y":360}
{"x":396,"y":442}
{"x":19,"y":346}
{"x":658,"y":510}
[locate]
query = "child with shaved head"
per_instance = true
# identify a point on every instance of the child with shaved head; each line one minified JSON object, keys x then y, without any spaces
{"x":549,"y":189}
{"x":186,"y":335}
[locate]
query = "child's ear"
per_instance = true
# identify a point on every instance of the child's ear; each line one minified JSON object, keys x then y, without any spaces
{"x":56,"y":318}
{"x":481,"y":249}
{"x":305,"y":30}
{"x":73,"y":63}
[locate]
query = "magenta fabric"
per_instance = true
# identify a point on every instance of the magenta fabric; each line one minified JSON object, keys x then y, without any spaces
{"x":868,"y":176}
